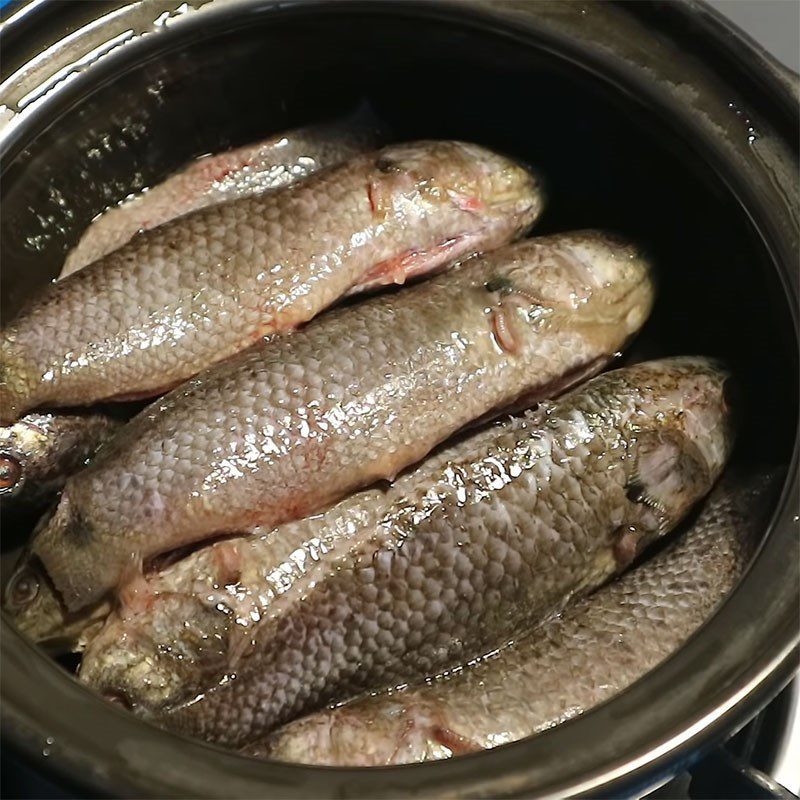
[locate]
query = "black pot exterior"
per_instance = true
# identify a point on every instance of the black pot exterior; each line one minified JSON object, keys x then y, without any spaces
{"x":728,"y":106}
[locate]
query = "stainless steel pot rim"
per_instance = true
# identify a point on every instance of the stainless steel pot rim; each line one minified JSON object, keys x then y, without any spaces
{"x":676,"y":707}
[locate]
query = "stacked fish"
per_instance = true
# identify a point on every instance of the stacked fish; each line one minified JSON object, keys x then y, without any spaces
{"x":419,"y":488}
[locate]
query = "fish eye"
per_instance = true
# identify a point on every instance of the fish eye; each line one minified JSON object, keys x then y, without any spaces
{"x":10,"y":473}
{"x":23,"y":589}
{"x":386,"y":165}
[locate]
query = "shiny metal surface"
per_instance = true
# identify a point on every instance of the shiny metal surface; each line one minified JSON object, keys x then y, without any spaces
{"x":784,"y":769}
{"x":746,"y":129}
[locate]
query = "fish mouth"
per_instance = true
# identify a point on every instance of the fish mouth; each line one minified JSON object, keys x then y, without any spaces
{"x":129,"y":678}
{"x":527,"y":197}
{"x":515,"y":211}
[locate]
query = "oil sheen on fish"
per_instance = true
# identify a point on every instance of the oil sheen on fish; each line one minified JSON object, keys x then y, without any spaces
{"x":595,"y":649}
{"x":39,"y":451}
{"x":296,"y":422}
{"x":252,"y":169}
{"x":453,"y":560}
{"x":200,"y":288}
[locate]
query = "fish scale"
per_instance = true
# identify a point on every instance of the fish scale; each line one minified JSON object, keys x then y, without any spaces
{"x":251,"y":169}
{"x":487,"y":600}
{"x":451,"y":561}
{"x":569,"y":664}
{"x":202,"y":287}
{"x":294,"y":423}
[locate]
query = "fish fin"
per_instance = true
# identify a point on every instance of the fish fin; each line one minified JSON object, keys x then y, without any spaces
{"x":503,"y":331}
{"x":627,"y":546}
{"x":135,"y":594}
{"x":245,"y":616}
{"x":18,"y":382}
{"x":412,"y":264}
{"x":145,"y":394}
{"x":240,"y":640}
{"x":456,"y":743}
{"x":379,"y":201}
{"x":532,"y":398}
{"x":228,"y":562}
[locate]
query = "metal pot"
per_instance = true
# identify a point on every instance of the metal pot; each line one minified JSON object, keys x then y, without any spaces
{"x":660,"y":120}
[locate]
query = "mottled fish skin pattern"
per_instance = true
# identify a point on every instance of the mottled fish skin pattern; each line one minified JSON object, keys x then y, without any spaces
{"x":293,"y":424}
{"x":200,"y":288}
{"x":453,"y":560}
{"x":270,"y":164}
{"x":39,"y":451}
{"x":600,"y":645}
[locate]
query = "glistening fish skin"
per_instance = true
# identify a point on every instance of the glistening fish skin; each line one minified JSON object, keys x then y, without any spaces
{"x":599,"y":646}
{"x":252,"y":169}
{"x":39,"y":451}
{"x":452,"y":561}
{"x":298,"y":421}
{"x":200,"y":288}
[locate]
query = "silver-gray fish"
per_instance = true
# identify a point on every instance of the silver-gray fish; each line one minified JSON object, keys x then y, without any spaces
{"x":254,"y":168}
{"x":600,"y":645}
{"x":295,"y":423}
{"x":453,"y":560}
{"x":198,"y":289}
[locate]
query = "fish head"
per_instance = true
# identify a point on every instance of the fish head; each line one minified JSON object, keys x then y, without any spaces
{"x":491,"y":192}
{"x":596,"y":288}
{"x":681,"y":433}
{"x":26,"y":453}
{"x":36,"y":609}
{"x":19,"y":443}
{"x":158,"y":655}
{"x":611,"y":277}
{"x":69,"y":546}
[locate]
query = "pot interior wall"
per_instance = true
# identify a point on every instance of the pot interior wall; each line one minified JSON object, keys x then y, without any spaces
{"x":608,"y":159}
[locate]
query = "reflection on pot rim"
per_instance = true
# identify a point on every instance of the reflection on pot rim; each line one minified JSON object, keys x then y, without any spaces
{"x":625,"y":753}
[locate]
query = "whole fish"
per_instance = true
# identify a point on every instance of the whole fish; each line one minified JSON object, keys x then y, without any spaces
{"x":453,"y":560}
{"x":39,"y":451}
{"x":298,"y":421}
{"x":200,"y":288}
{"x":270,"y":164}
{"x":600,"y":645}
